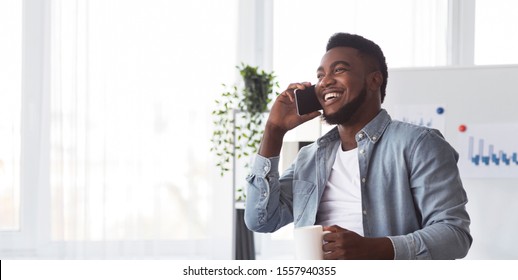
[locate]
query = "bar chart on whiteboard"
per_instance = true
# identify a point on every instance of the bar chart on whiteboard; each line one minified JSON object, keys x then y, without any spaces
{"x":432,"y":116}
{"x":489,"y":151}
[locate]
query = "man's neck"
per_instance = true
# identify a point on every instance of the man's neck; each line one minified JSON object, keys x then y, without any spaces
{"x":349,"y":130}
{"x":347,"y":136}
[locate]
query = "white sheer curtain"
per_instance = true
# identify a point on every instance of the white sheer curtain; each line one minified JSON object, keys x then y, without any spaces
{"x":10,"y":104}
{"x":132,"y":85}
{"x":496,"y":26}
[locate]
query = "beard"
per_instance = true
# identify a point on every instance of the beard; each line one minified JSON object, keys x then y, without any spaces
{"x":347,"y":111}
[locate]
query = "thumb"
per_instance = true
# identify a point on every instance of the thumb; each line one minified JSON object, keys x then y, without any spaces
{"x":310,"y":116}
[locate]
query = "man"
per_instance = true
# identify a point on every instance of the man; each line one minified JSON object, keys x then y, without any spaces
{"x":385,"y":189}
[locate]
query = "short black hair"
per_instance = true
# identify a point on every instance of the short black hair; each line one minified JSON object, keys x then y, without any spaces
{"x":365,"y":47}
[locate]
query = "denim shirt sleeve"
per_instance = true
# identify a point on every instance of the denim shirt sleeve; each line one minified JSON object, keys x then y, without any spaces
{"x":269,"y":199}
{"x":440,"y":198}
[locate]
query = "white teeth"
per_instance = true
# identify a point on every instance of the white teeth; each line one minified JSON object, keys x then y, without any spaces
{"x":331,"y":95}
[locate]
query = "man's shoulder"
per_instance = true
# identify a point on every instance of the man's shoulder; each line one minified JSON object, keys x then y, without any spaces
{"x":411,"y":129}
{"x":411,"y":134}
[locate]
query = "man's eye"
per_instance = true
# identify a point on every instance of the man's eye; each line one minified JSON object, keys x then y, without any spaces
{"x":340,"y":70}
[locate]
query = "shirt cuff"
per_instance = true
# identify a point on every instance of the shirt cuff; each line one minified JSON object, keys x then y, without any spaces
{"x":402,"y":247}
{"x":262,"y":166}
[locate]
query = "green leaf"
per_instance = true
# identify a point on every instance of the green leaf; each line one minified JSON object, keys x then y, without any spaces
{"x":252,"y":101}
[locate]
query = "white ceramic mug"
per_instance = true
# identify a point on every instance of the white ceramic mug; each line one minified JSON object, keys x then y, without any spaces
{"x":308,"y":242}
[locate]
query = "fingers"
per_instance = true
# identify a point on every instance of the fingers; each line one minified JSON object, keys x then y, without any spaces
{"x":306,"y":84}
{"x":294,"y":86}
{"x":287,"y":94}
{"x":334,"y":242}
{"x":284,"y":112}
{"x":333,"y":228}
{"x":310,"y":116}
{"x":333,"y":250}
{"x":336,"y":233}
{"x":290,"y":91}
{"x":329,"y":246}
{"x":336,"y":255}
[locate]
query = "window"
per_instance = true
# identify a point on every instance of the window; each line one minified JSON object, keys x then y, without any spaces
{"x":417,"y":37}
{"x":10,"y":108}
{"x":121,"y":95}
{"x":131,"y":90}
{"x":496,"y":29}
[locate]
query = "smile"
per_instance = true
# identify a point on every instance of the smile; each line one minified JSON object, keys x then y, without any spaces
{"x":331,"y":95}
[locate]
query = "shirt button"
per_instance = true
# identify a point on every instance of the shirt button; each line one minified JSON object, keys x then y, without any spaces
{"x":360,"y":135}
{"x":362,"y":151}
{"x":363,"y":180}
{"x":364,"y":212}
{"x":374,"y":138}
{"x":266,"y":168}
{"x":264,"y":194}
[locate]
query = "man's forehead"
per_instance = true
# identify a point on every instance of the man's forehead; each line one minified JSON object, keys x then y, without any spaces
{"x":340,"y":53}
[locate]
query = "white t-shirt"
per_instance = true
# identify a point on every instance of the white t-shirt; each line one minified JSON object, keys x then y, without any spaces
{"x":341,"y":202}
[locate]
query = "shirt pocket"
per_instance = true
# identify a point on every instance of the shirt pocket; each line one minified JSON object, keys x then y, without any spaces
{"x":302,"y":192}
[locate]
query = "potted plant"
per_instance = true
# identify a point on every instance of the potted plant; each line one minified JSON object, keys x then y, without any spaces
{"x":238,"y":118}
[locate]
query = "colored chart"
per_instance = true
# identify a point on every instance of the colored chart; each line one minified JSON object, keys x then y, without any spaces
{"x":432,"y":116}
{"x":489,"y":151}
{"x":491,"y":156}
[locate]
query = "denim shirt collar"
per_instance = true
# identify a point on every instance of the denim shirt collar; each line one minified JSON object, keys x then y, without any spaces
{"x":373,"y":130}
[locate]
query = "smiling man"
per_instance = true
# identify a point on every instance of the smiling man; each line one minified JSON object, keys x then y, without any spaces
{"x":383,"y":188}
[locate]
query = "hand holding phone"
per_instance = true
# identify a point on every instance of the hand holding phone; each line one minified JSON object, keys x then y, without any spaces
{"x":307,"y":100}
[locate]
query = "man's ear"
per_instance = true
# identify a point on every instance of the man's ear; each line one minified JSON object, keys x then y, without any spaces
{"x":375,"y":81}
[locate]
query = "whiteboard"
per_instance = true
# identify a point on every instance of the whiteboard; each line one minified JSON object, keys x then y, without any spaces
{"x":483,"y":96}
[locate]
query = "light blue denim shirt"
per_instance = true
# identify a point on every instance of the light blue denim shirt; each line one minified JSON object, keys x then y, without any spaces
{"x":410,"y":184}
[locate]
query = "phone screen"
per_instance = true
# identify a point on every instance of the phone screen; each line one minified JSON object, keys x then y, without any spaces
{"x":306,"y":100}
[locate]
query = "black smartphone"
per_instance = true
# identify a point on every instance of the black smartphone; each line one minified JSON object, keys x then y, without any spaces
{"x":307,"y":101}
